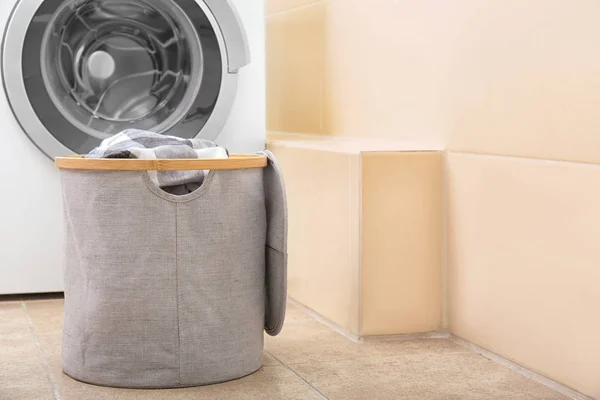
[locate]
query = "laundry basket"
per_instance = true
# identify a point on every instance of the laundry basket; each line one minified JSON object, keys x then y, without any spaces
{"x":171,"y":291}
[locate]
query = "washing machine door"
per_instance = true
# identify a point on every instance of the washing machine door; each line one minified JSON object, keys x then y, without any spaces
{"x":78,"y":71}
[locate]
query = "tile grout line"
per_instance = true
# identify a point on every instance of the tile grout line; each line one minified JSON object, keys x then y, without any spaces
{"x":390,"y":359}
{"x":359,"y":271}
{"x":445,"y":243}
{"x":520,"y":157}
{"x":49,"y":376}
{"x":523,"y":371}
{"x":405,"y":337}
{"x":317,"y":391}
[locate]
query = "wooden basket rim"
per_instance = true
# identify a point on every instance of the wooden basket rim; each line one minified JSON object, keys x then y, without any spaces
{"x":235,"y":161}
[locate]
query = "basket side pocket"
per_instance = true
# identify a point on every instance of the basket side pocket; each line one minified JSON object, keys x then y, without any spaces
{"x":276,"y":250}
{"x":276,"y":287}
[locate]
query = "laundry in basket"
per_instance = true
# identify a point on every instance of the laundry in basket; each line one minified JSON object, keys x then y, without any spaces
{"x":136,"y":143}
{"x":167,"y":290}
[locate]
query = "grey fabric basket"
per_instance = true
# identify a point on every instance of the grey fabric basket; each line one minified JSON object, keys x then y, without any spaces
{"x":171,"y":291}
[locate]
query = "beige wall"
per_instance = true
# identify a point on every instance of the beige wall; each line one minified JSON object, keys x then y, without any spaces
{"x":333,"y":67}
{"x":500,"y":83}
{"x":496,"y":77}
{"x":524,"y":258}
{"x":524,"y":263}
{"x":295,"y":66}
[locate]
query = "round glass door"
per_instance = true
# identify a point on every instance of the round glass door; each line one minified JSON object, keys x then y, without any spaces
{"x":92,"y":68}
{"x":109,"y":64}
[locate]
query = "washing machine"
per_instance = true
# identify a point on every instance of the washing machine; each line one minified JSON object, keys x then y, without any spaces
{"x":75,"y":72}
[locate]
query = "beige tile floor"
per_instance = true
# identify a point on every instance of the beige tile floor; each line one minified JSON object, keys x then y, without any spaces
{"x":307,"y":361}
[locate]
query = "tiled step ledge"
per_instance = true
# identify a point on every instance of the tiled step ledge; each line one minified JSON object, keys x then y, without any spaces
{"x":365,"y":233}
{"x":348,"y":144}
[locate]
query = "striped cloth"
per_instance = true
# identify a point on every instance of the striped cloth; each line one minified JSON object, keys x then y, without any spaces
{"x":135,"y":143}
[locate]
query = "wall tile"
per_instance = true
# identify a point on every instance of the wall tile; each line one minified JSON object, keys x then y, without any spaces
{"x":321,"y":274}
{"x":401,"y":242}
{"x":295,"y":70}
{"x":524,"y":79}
{"x":523,"y":268}
{"x":383,"y":76}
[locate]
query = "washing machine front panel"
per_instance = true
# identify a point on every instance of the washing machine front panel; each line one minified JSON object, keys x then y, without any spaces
{"x":78,"y":71}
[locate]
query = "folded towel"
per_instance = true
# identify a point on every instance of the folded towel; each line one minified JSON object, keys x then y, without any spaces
{"x":135,"y":143}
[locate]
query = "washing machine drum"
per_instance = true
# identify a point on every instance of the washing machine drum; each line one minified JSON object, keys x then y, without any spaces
{"x":79,"y":71}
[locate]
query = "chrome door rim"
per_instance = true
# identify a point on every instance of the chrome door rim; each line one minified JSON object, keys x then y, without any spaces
{"x":12,"y":76}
